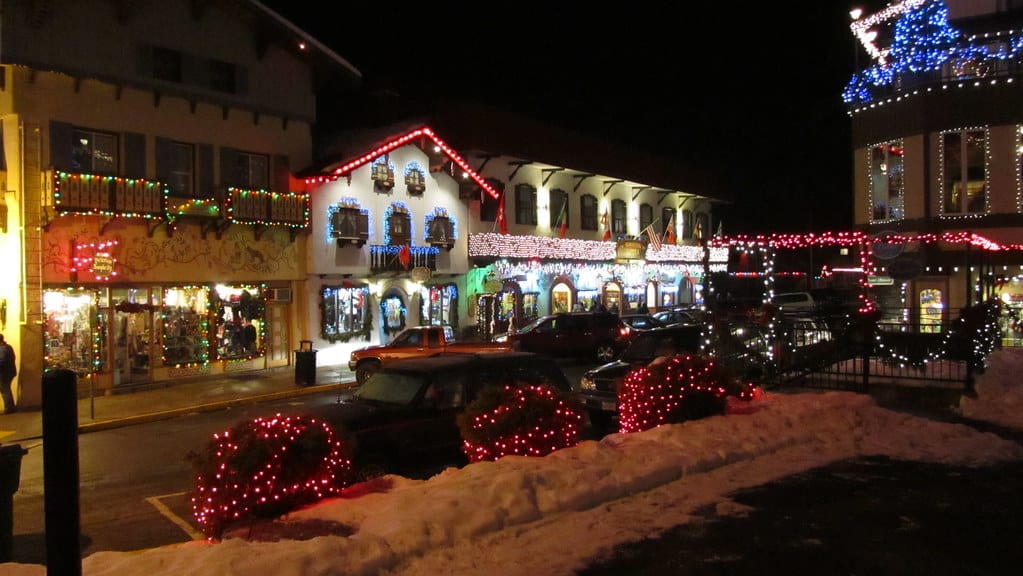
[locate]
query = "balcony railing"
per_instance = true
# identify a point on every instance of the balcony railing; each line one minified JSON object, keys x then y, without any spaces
{"x":115,"y":196}
{"x":389,"y":258}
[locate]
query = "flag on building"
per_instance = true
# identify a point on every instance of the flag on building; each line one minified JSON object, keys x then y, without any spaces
{"x":655,"y":238}
{"x":405,"y":256}
{"x":563,"y":220}
{"x":607,"y":226}
{"x":669,"y":233}
{"x":502,"y":222}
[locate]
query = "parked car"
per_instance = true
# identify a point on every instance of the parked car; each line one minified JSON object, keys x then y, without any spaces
{"x":414,"y":342}
{"x":598,"y":388}
{"x":677,"y":316}
{"x":795,"y":303}
{"x":600,"y":335}
{"x":404,"y":418}
{"x":641,"y":321}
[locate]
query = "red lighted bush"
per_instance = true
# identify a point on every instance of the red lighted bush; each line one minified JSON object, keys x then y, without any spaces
{"x":673,"y":390}
{"x":263,"y":468}
{"x":528,"y":420}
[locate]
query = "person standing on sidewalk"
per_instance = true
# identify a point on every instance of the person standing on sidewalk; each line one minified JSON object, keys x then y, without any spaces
{"x":8,"y":370}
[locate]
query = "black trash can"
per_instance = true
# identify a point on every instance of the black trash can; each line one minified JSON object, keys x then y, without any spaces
{"x":10,"y":478}
{"x":305,"y":364}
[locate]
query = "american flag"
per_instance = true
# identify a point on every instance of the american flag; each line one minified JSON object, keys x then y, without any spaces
{"x":655,"y":238}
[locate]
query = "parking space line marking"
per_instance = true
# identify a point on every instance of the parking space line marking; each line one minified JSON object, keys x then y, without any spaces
{"x":184,"y":525}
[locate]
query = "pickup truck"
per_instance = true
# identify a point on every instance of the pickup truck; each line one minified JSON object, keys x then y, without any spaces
{"x":415,"y":342}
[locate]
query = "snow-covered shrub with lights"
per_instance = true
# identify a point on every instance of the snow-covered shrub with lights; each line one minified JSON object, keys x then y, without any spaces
{"x":674,"y":389}
{"x":263,"y":468}
{"x":524,"y":419}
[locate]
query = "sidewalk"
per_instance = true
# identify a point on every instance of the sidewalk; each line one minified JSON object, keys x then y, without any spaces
{"x":170,"y":399}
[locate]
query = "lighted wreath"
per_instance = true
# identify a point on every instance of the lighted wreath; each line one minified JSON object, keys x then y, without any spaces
{"x":523,"y":419}
{"x":385,"y":320}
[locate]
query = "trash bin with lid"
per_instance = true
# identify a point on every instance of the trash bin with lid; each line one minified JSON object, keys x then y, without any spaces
{"x":305,"y":364}
{"x":10,"y":478}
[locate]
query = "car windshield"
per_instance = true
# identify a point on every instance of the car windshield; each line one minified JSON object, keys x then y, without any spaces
{"x":386,"y":387}
{"x":532,"y":325}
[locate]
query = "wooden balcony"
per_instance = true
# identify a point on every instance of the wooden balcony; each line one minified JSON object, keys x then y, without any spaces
{"x":387,"y":259}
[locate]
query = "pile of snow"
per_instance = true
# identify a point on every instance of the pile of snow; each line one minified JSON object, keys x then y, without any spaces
{"x":552,"y":515}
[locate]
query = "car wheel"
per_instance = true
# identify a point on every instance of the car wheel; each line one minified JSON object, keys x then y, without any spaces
{"x":365,"y":370}
{"x":605,"y":352}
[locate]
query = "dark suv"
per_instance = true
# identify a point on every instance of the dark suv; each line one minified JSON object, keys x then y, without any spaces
{"x":404,"y":418}
{"x":600,"y":335}
{"x":598,"y":388}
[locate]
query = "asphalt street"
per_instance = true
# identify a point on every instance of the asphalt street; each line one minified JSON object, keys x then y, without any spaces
{"x":866,"y":516}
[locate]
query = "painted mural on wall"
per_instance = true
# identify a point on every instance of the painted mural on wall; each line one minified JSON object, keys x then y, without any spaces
{"x":184,"y":256}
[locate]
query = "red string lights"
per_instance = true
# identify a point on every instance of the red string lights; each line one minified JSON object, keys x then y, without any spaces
{"x":532,"y":420}
{"x":265,"y":467}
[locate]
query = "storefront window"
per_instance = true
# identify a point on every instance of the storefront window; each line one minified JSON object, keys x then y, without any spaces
{"x":239,"y":321}
{"x":561,"y":298}
{"x":75,"y":331}
{"x":185,"y":326}
{"x":132,"y":331}
{"x":530,"y":307}
{"x":392,"y":311}
{"x":931,"y":307}
{"x":439,"y":305}
{"x":344,"y":310}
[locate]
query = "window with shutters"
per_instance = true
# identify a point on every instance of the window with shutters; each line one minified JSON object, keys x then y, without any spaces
{"x":94,"y":152}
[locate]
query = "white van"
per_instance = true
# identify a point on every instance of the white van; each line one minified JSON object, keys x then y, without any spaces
{"x":795,"y":302}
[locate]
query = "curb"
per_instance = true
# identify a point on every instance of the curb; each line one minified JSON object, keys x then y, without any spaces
{"x":209,"y":407}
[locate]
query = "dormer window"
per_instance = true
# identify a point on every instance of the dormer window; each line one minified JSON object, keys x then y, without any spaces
{"x":440,"y":229}
{"x":382,"y":174}
{"x":415,"y":179}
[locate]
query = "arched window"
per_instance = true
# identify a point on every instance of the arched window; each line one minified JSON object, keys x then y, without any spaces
{"x":525,"y":204}
{"x":687,"y":224}
{"x":618,"y":220}
{"x":559,"y":208}
{"x":667,"y":220}
{"x":646,"y":216}
{"x":588,"y":212}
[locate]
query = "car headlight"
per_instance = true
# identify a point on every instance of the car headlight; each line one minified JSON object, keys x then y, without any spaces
{"x":501,"y":338}
{"x":587,"y":383}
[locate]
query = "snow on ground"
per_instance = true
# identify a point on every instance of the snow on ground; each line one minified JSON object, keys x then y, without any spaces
{"x":552,"y":515}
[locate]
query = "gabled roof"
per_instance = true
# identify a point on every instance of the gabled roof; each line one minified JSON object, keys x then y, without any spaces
{"x":479,"y":131}
{"x":291,"y":32}
{"x":419,"y":135}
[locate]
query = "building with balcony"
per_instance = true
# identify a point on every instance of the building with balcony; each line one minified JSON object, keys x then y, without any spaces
{"x":937,"y":140}
{"x":150,"y":225}
{"x":474,"y":217}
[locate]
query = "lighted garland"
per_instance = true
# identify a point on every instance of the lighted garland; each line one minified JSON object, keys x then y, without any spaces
{"x":524,"y":420}
{"x":673,"y":390}
{"x":924,"y":41}
{"x":263,"y":468}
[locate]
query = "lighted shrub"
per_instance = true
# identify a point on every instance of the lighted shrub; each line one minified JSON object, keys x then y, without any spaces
{"x":673,"y":390}
{"x":528,"y":420}
{"x":263,"y":468}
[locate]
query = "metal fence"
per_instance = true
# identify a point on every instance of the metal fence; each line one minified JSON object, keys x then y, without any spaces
{"x":855,"y":353}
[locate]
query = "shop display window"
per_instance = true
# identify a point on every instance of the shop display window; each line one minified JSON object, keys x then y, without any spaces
{"x":344,"y":311}
{"x":439,"y":305}
{"x":238,"y":321}
{"x":75,"y":330}
{"x":185,"y":326}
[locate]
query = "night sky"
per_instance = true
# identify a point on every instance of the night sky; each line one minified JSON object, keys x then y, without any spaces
{"x":751,"y":95}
